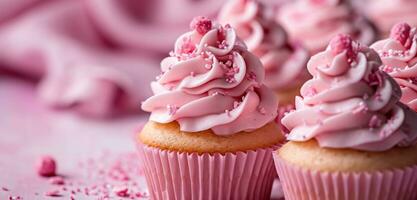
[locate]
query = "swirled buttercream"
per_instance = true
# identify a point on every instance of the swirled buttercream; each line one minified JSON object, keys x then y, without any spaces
{"x":350,"y":103}
{"x":399,"y":58}
{"x":314,"y":22}
{"x":284,"y":62}
{"x":211,"y":81}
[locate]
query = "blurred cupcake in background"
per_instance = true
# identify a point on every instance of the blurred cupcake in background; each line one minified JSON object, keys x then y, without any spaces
{"x":349,"y":136}
{"x":315,"y":22}
{"x":284,"y":63}
{"x":399,"y":56}
{"x":211,"y":133}
{"x":387,"y":13}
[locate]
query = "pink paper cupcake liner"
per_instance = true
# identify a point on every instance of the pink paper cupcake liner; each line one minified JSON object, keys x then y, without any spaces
{"x":179,"y":175}
{"x":299,"y":184}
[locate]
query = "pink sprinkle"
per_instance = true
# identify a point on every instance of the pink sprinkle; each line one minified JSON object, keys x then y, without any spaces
{"x":121,"y":191}
{"x":201,"y":24}
{"x":311,"y":92}
{"x":262,"y":110}
{"x":53,"y":193}
{"x":251,"y":76}
{"x":187,"y":46}
{"x":375,"y":121}
{"x":172,"y":109}
{"x":227,"y":113}
{"x":4,"y":189}
{"x":58,"y":180}
{"x":236,"y":104}
{"x":401,"y":33}
{"x":341,"y":43}
{"x":46,"y":166}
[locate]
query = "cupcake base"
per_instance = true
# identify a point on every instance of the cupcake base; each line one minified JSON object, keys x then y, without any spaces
{"x":299,"y":183}
{"x":180,"y":175}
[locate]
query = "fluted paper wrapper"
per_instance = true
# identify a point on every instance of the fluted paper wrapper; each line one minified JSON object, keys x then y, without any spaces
{"x":300,"y":184}
{"x":179,"y":175}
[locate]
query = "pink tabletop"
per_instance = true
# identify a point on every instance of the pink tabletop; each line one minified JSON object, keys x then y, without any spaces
{"x":96,"y":158}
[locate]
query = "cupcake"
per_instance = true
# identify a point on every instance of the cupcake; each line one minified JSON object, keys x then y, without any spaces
{"x":210,"y":133}
{"x":315,"y":22}
{"x":349,"y":136}
{"x":283,"y":61}
{"x":387,"y":13}
{"x":399,"y":57}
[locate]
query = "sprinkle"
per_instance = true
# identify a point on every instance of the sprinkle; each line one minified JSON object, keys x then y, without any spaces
{"x":208,"y":66}
{"x":192,"y":74}
{"x":341,"y":43}
{"x":261,"y":110}
{"x":121,"y":191}
{"x":227,"y":112}
{"x":46,"y":166}
{"x":53,"y":193}
{"x":375,"y":122}
{"x":4,"y":189}
{"x":360,"y":108}
{"x":58,"y":180}
{"x":172,"y":109}
{"x":311,"y":92}
{"x":187,"y":46}
{"x":236,"y":104}
{"x":251,"y":76}
{"x":15,"y":198}
{"x":201,"y":24}
{"x":172,"y":54}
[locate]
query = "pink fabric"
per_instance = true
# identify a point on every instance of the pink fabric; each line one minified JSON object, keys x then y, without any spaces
{"x":93,"y":56}
{"x":176,"y":175}
{"x":301,"y":183}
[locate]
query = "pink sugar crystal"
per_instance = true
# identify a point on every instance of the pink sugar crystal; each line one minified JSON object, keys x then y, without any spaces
{"x":201,"y":24}
{"x":401,"y":33}
{"x":46,"y":166}
{"x":341,"y":43}
{"x":58,"y":180}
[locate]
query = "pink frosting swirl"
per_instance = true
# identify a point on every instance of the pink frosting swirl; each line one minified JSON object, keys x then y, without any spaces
{"x":211,"y":81}
{"x":315,"y":22}
{"x":350,"y":103}
{"x":386,"y":13}
{"x":399,"y":56}
{"x":284,"y":63}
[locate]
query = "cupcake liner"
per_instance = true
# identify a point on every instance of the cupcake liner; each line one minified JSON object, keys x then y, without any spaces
{"x":299,"y":184}
{"x":180,"y":175}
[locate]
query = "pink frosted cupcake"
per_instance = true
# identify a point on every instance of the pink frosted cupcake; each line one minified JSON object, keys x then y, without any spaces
{"x":349,"y":137}
{"x":211,"y":132}
{"x":315,"y":22}
{"x":387,"y":13}
{"x":284,"y":63}
{"x":399,"y":56}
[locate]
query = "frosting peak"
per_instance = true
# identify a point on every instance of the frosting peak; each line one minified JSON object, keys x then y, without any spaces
{"x":399,"y":57}
{"x":401,"y":33}
{"x":211,"y":81}
{"x":350,"y":104}
{"x":342,"y":43}
{"x":284,"y":62}
{"x":201,"y":24}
